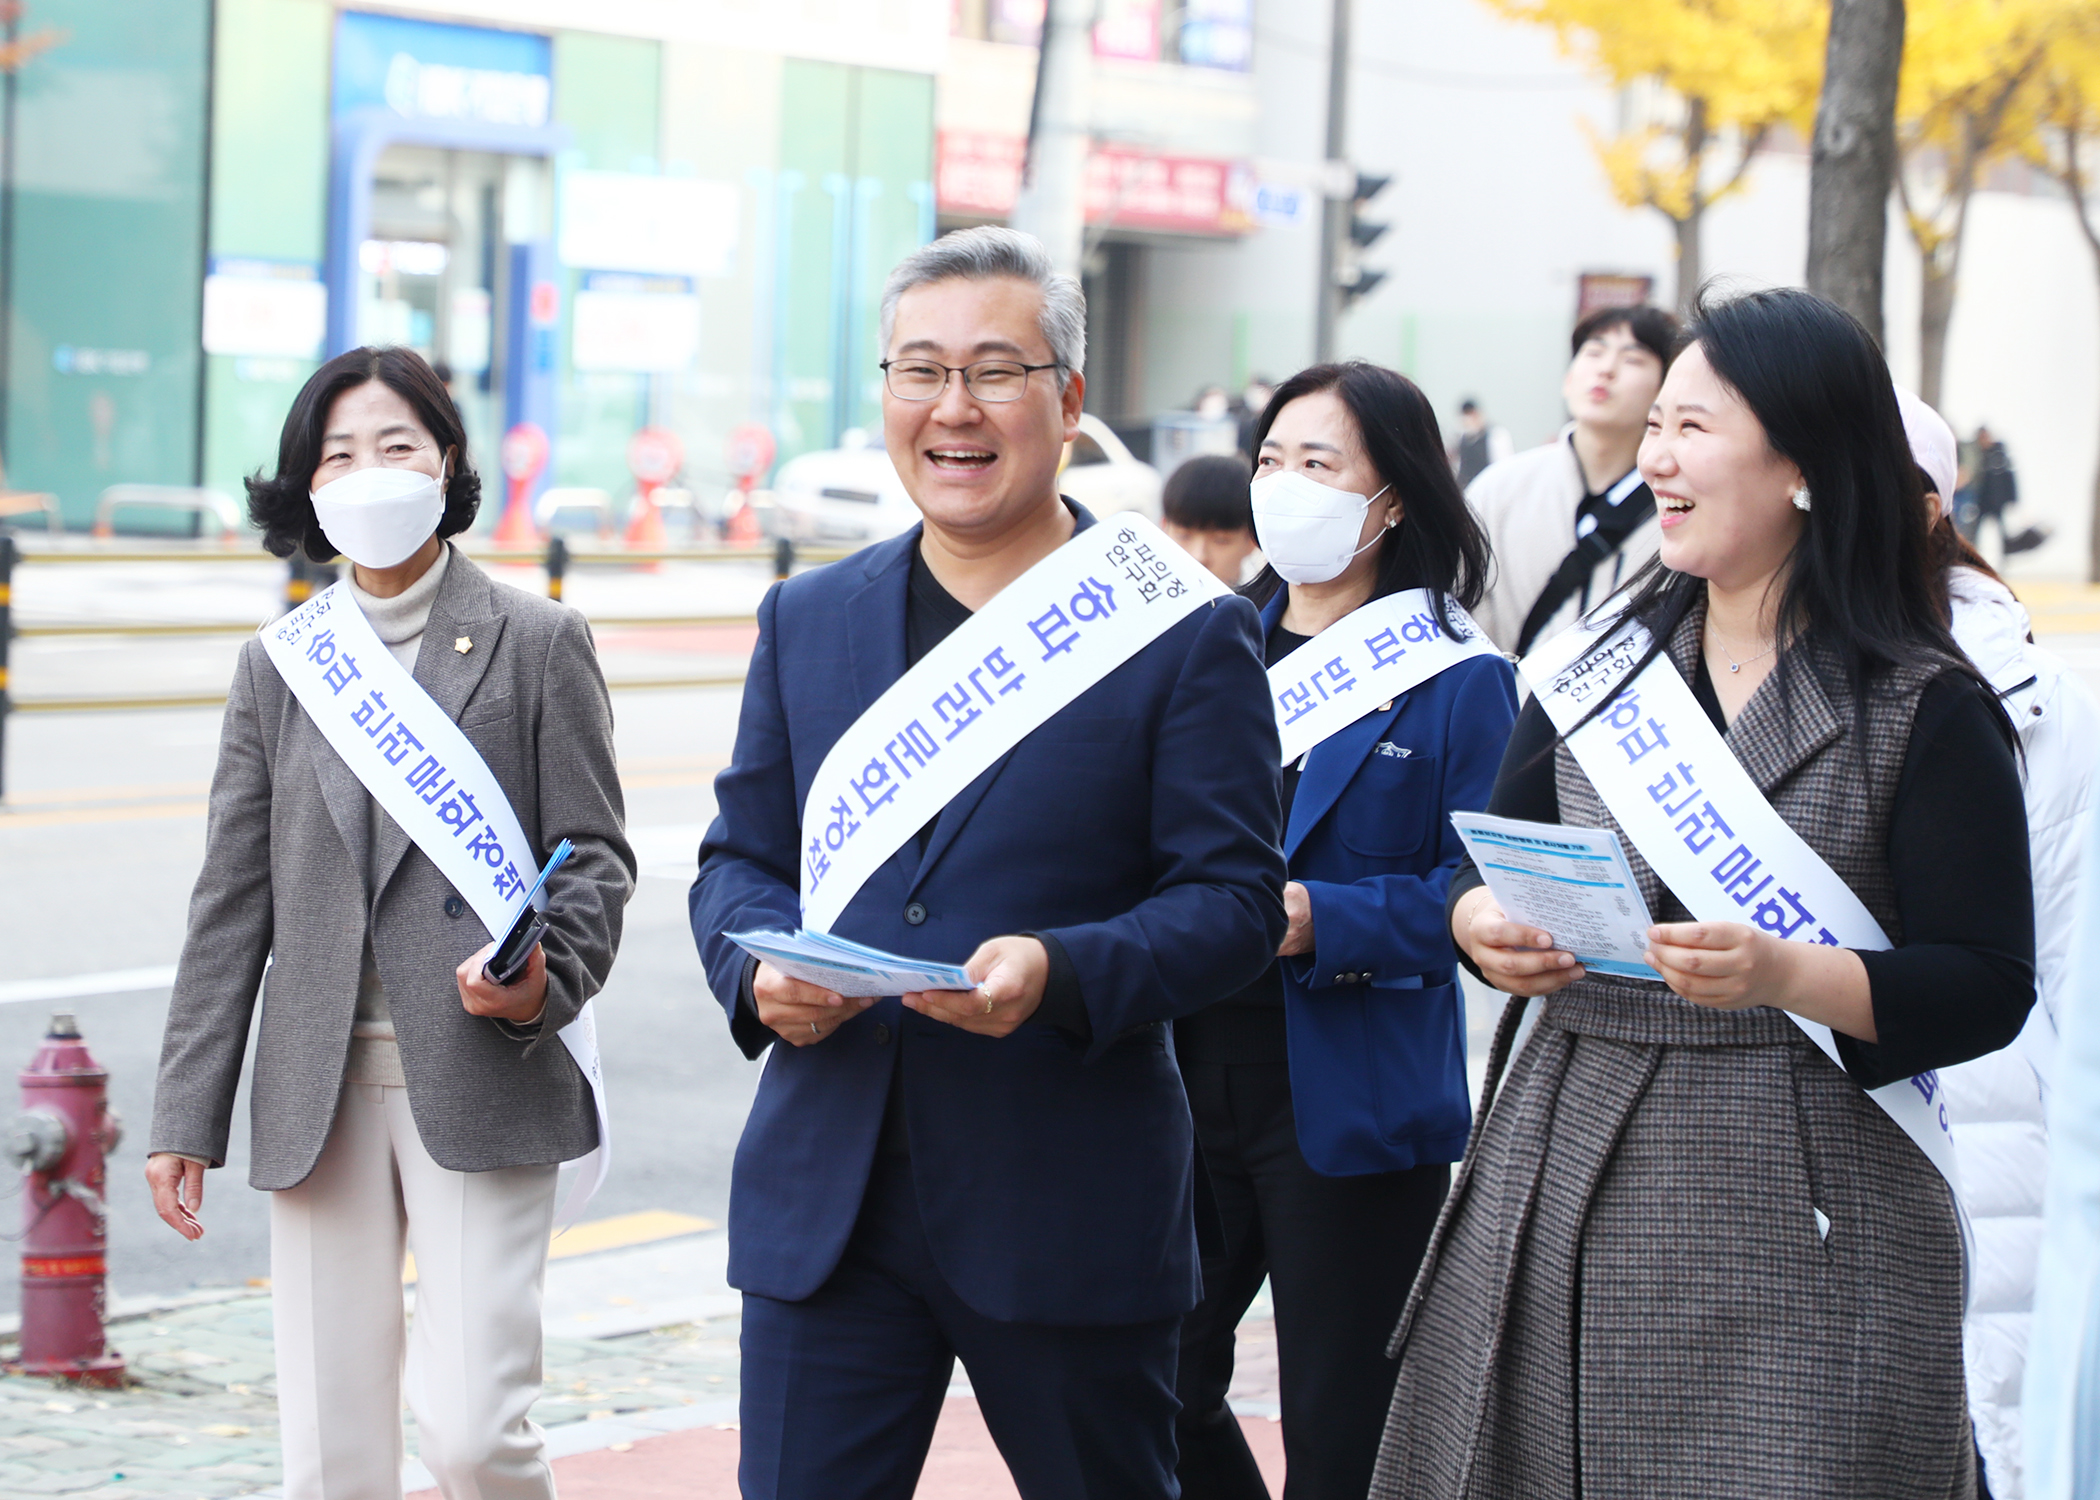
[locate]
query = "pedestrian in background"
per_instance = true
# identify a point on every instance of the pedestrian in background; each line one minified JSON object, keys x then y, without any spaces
{"x":1204,"y":507}
{"x":1479,"y":443}
{"x":1992,"y":490}
{"x":400,"y":1098}
{"x":1570,"y":521}
{"x":1254,"y":400}
{"x":1330,"y":1095}
{"x":1688,"y":1254}
{"x":1999,"y":1101}
{"x":1003,"y":1175}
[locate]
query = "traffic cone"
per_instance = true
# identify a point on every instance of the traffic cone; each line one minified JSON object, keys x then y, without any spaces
{"x":742,"y":530}
{"x":645,"y":523}
{"x":515,"y":532}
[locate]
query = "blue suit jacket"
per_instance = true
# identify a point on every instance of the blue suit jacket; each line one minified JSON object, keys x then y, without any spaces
{"x":1376,"y":1022}
{"x":1138,"y":826}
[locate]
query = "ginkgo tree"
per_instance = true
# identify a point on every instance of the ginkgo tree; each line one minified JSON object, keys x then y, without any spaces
{"x":1968,"y":99}
{"x":1705,"y":82}
{"x":2065,"y":142}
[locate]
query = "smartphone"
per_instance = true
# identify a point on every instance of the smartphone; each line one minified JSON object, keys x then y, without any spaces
{"x":511,"y":955}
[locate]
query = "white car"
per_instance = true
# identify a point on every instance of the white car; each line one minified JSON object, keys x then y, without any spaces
{"x":852,"y":493}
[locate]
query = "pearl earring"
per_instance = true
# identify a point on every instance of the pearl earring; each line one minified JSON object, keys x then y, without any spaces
{"x":1801,"y":498}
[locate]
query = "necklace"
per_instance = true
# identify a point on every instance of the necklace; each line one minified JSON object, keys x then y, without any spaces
{"x":1735,"y":666}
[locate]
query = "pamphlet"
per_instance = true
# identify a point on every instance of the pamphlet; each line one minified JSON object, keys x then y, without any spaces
{"x":1574,"y":882}
{"x":848,"y":968}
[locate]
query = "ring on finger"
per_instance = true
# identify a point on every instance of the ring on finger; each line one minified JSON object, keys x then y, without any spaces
{"x":813,"y":1031}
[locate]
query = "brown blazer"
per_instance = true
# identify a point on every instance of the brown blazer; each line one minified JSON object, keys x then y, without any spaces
{"x":283,"y":883}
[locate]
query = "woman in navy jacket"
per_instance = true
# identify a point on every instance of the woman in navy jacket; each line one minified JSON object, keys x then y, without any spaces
{"x":1330,"y":1096}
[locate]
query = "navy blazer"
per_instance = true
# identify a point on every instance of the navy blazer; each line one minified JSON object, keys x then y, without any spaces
{"x":1139,"y":826}
{"x":1377,"y":1026}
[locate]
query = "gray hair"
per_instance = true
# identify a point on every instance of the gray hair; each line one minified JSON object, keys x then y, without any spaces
{"x":989,"y":251}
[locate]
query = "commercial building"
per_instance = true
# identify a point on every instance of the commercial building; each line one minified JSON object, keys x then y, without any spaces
{"x":606,"y":214}
{"x":598,"y":216}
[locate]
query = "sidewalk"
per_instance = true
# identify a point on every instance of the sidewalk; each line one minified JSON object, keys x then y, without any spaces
{"x":640,"y":1397}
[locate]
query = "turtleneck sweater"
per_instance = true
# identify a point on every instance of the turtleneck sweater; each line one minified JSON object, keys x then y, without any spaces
{"x":399,"y":622}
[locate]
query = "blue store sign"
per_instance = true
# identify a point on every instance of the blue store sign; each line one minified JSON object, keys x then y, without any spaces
{"x":420,"y":70}
{"x":460,"y":88}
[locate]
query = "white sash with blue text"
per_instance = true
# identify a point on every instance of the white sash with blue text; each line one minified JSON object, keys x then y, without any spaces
{"x":1047,"y":637}
{"x":428,"y":777}
{"x":1368,"y":657}
{"x":1707,"y":831}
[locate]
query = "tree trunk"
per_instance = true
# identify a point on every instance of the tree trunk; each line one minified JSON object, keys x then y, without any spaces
{"x":1853,"y":159}
{"x":1935,"y":312}
{"x":2072,"y":176}
{"x":1689,"y":258}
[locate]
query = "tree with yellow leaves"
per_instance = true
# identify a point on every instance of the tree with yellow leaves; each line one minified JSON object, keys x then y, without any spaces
{"x":2065,"y":142}
{"x":1710,"y":81}
{"x":1968,"y":99}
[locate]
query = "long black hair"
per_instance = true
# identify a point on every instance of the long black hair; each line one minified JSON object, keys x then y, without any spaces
{"x":282,"y":505}
{"x":1438,"y":544}
{"x":1860,"y":582}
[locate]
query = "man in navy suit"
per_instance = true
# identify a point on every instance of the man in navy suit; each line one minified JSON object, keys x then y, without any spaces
{"x":1003,"y":1175}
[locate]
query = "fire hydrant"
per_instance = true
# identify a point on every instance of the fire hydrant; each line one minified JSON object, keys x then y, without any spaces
{"x":60,"y":1142}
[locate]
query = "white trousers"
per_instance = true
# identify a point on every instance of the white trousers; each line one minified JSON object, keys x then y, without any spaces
{"x":473,"y":1360}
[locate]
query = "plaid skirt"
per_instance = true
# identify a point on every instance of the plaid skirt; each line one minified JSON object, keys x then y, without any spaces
{"x":1629,"y":1295}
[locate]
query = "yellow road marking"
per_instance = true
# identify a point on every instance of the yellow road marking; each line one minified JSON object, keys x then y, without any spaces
{"x":616,"y":1233}
{"x":9,"y":821}
{"x":147,"y":807}
{"x":138,"y":792}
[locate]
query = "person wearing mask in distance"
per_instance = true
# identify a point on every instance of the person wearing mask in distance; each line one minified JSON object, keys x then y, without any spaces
{"x":1204,"y":505}
{"x":1689,"y":1252}
{"x":1003,"y":1175}
{"x":1330,"y":1094}
{"x":1570,"y":521}
{"x":1998,"y":1101}
{"x":400,"y":1098}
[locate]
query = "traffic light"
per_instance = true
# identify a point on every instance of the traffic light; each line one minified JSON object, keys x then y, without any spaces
{"x":1352,"y":278}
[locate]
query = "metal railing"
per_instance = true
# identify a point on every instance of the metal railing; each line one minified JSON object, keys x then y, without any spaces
{"x":299,"y":583}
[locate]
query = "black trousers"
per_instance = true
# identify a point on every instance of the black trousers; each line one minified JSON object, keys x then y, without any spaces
{"x":1340,"y":1254}
{"x":841,"y":1391}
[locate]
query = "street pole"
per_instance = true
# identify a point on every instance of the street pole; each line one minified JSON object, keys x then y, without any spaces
{"x":1052,"y":201}
{"x":1334,"y":216}
{"x":8,"y":113}
{"x":7,"y":629}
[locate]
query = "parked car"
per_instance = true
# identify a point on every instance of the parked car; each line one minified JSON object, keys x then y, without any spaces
{"x":852,"y":493}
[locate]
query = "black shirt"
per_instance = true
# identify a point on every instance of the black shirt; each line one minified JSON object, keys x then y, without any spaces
{"x":1963,"y":981}
{"x":931,"y":615}
{"x":1248,"y":1026}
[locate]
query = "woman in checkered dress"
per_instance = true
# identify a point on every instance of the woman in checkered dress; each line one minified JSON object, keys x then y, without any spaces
{"x":1687,"y":1255}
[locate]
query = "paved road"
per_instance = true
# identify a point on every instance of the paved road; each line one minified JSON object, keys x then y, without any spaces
{"x":102,"y":833}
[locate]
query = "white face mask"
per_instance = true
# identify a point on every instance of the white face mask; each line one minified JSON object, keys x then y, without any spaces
{"x":1308,"y":530}
{"x":379,"y":516}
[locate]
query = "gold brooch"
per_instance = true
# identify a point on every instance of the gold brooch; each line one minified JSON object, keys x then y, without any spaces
{"x":463,"y":645}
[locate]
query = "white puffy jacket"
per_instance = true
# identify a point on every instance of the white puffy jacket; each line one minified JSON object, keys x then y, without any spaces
{"x":1996,"y":1102}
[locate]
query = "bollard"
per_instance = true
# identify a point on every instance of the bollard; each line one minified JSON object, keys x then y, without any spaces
{"x":61,"y":1142}
{"x":783,"y":558}
{"x":8,"y":555}
{"x":557,"y":566}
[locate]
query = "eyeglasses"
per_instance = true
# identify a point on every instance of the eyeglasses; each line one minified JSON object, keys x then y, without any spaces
{"x":988,"y":380}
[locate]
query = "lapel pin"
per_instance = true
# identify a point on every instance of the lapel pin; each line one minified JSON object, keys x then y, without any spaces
{"x":1384,"y":706}
{"x":463,"y":645}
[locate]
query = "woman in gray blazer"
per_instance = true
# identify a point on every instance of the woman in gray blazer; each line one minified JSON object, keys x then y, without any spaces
{"x":401,"y":1099}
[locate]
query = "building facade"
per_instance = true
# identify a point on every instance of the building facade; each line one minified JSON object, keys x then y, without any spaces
{"x":602,"y":215}
{"x":595,"y":216}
